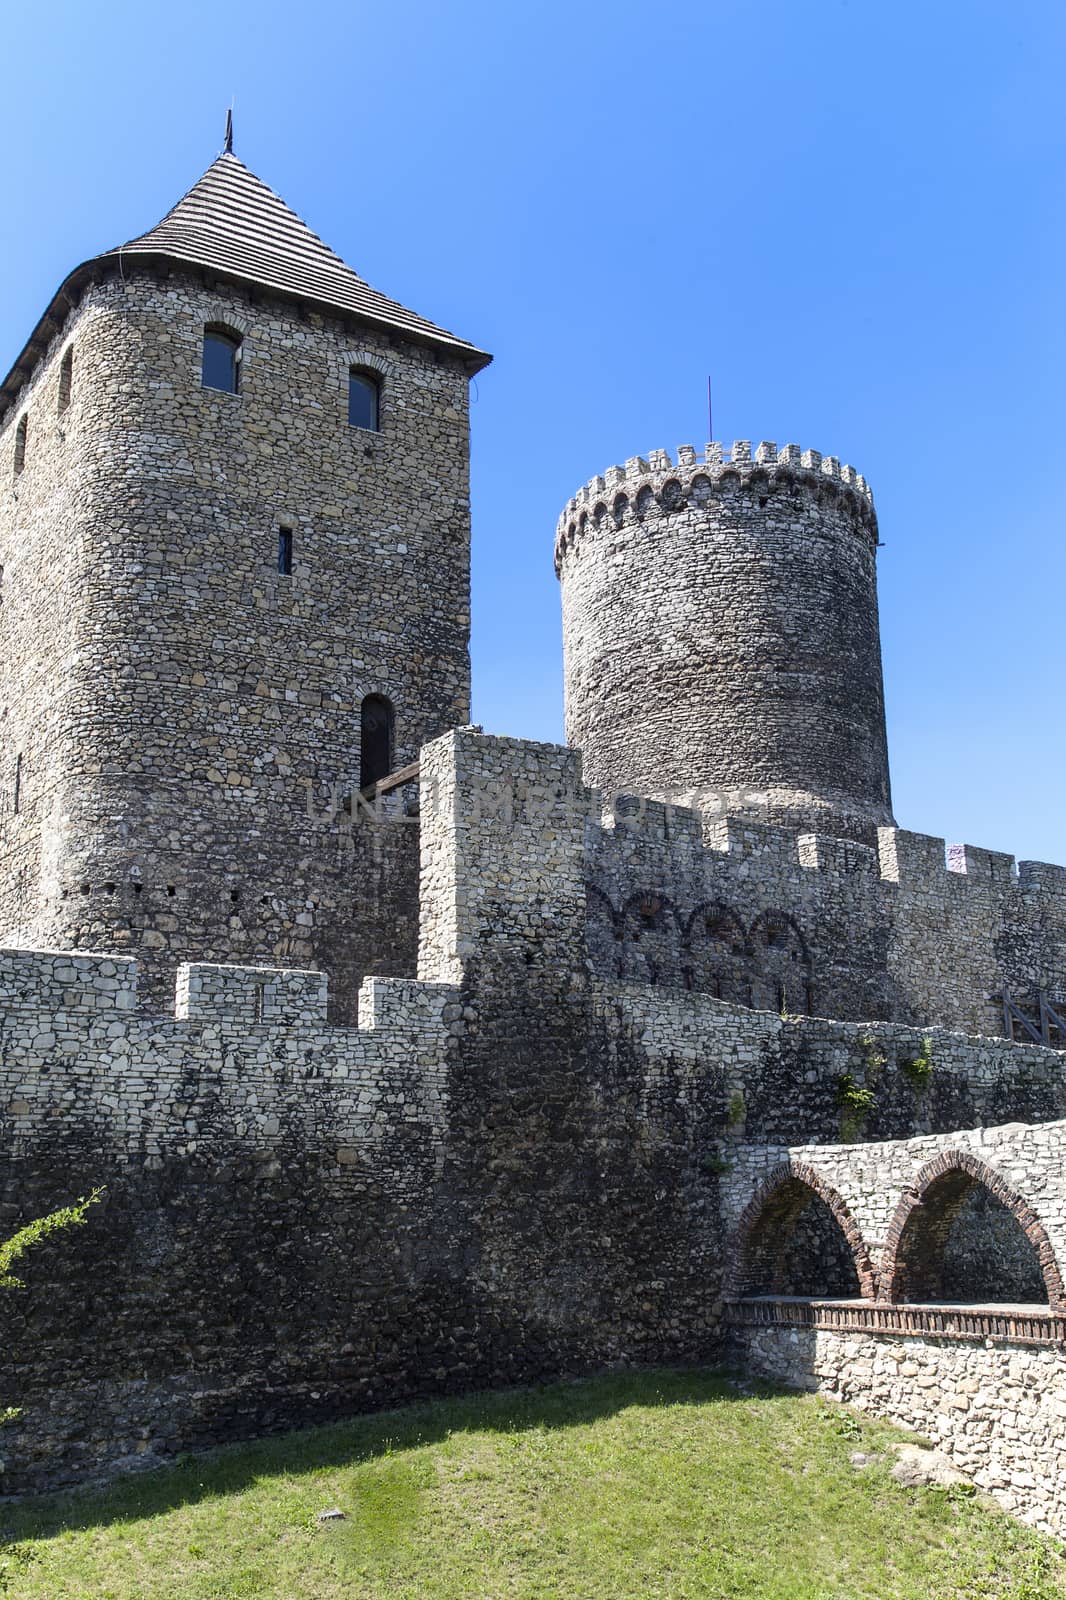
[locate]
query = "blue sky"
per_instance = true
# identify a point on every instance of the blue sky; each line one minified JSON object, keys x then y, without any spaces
{"x":850,"y":213}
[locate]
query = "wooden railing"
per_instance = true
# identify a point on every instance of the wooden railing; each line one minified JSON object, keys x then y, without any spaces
{"x":1038,"y":1028}
{"x":1017,"y":1325}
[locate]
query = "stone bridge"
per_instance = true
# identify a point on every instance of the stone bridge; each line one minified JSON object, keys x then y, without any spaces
{"x":920,"y":1279}
{"x":904,"y":1209}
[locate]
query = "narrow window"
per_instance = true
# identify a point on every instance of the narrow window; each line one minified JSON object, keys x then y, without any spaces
{"x":364,"y":397}
{"x":66,"y":378}
{"x":375,"y":746}
{"x":285,"y":552}
{"x":222,"y":360}
{"x":21,"y":433}
{"x":18,"y":785}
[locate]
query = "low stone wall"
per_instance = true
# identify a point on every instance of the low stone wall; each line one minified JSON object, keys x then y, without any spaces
{"x":997,"y":1408}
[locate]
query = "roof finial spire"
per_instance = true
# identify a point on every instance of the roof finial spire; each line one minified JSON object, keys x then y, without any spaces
{"x":228,"y":147}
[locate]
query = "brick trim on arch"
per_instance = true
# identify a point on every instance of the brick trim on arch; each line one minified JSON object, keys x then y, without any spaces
{"x":798,"y":1172}
{"x":909,"y":1209}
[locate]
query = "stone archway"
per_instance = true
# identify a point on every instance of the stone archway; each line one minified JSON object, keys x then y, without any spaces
{"x":797,"y":1236}
{"x":916,"y":1265}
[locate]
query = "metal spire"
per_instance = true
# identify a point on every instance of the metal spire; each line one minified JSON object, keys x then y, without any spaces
{"x":228,"y":147}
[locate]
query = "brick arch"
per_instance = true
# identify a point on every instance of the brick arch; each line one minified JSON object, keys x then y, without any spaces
{"x":785,"y":969}
{"x":766,"y":919}
{"x":650,"y":944}
{"x":725,"y":914}
{"x":717,"y":965}
{"x":909,"y":1212}
{"x":650,"y":902}
{"x":798,"y":1172}
{"x":593,"y":892}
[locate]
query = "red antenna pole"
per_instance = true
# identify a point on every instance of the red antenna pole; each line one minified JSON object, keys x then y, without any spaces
{"x":710,"y":417}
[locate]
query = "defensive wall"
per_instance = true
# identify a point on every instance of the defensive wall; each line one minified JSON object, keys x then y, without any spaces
{"x":511,"y":1168}
{"x":911,"y":929}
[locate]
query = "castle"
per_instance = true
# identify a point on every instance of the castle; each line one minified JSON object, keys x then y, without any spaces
{"x":414,"y":1059}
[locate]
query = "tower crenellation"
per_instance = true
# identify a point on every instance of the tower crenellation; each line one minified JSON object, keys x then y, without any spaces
{"x":655,"y":469}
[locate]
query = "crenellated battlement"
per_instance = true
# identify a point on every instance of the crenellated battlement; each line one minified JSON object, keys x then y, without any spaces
{"x":65,"y":980}
{"x":209,"y":992}
{"x":922,"y":860}
{"x":636,"y":816}
{"x":634,"y":820}
{"x":656,"y":483}
{"x":88,"y":987}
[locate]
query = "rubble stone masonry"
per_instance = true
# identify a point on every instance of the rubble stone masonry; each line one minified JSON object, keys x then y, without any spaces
{"x":511,"y":1168}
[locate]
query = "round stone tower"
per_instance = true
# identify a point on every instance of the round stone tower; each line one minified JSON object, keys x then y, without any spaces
{"x":721,"y":636}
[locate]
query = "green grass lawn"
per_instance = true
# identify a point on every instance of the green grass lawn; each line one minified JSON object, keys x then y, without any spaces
{"x":661,"y":1484}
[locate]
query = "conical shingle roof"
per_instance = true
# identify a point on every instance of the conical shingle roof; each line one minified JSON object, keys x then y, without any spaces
{"x":231,"y":223}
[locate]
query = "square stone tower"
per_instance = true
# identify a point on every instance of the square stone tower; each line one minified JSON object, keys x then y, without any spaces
{"x":234,"y":594}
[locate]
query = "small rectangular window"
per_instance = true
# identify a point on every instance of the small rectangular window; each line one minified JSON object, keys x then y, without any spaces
{"x":285,"y":552}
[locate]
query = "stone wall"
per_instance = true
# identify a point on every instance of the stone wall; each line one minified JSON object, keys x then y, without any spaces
{"x":503,"y":858}
{"x":272,"y":1228}
{"x":731,"y":907}
{"x":510,"y":1169}
{"x":996,"y":1408}
{"x":302,"y":1220}
{"x":965,"y":924}
{"x":800,"y":922}
{"x":782,"y":1074}
{"x":183,"y":718}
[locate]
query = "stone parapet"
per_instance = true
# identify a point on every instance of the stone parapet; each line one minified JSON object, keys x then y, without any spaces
{"x":207,"y":992}
{"x":668,"y":483}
